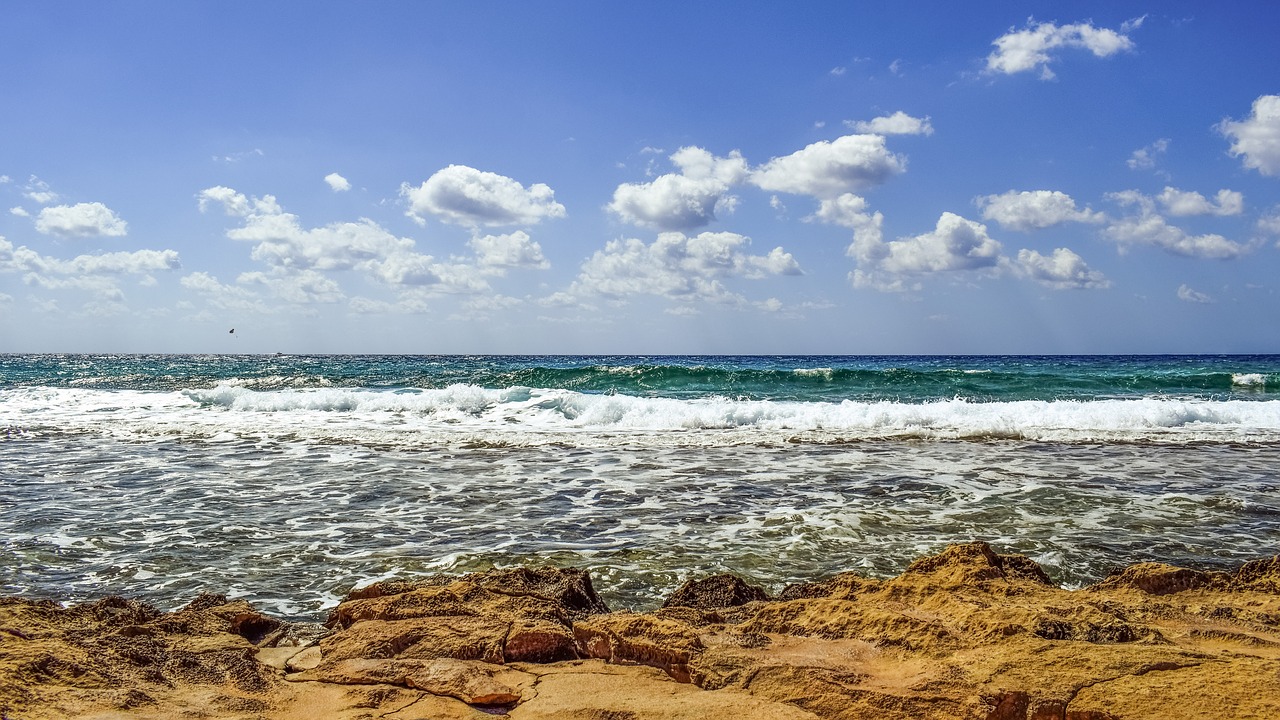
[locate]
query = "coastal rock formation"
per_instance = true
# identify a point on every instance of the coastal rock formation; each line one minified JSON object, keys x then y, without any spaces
{"x":967,"y":633}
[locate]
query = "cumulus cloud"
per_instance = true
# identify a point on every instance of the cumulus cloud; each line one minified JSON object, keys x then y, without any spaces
{"x":898,"y":123}
{"x":293,"y":253}
{"x":1033,"y":209}
{"x":1256,"y":139}
{"x":97,"y":274}
{"x":848,"y":210}
{"x":337,"y":183}
{"x":683,"y":201}
{"x":1180,"y":203}
{"x":466,"y":196}
{"x":1032,"y":47}
{"x":1145,"y":158}
{"x":19,"y":212}
{"x":679,"y":267}
{"x":955,"y":244}
{"x":1186,"y":294}
{"x":1147,"y":227}
{"x":80,"y":220}
{"x":514,"y":250}
{"x":1062,"y":270}
{"x":851,"y":163}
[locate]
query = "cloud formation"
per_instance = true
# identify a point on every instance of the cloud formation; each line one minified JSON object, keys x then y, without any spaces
{"x":80,"y":220}
{"x":1034,"y":209}
{"x":466,"y":196}
{"x":848,"y":164}
{"x":1186,"y":294}
{"x":1148,"y":227}
{"x":1062,"y":270}
{"x":679,"y":267}
{"x":1256,"y":139}
{"x":683,"y":201}
{"x":337,"y":183}
{"x":514,"y":250}
{"x":1145,"y":158}
{"x":1180,"y":203}
{"x":898,"y":123}
{"x":1031,"y":47}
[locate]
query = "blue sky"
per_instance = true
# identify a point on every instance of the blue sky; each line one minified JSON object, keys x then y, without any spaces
{"x":585,"y":177}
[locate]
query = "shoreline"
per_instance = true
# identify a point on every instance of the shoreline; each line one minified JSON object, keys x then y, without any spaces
{"x":965,"y":633}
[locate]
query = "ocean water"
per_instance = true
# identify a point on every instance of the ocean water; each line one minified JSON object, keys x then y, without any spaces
{"x":288,"y":480}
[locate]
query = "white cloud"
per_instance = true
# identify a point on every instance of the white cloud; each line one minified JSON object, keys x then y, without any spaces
{"x":1148,"y":227}
{"x":826,"y":169}
{"x":1033,"y":209}
{"x":514,"y":250}
{"x":1257,"y":138}
{"x":679,"y":267}
{"x":226,"y":297}
{"x":1062,"y":270}
{"x":1145,"y":158}
{"x":19,"y":212}
{"x":337,"y":183}
{"x":1270,"y":223}
{"x":898,"y":123}
{"x":465,"y":196}
{"x":955,"y":244}
{"x":839,"y":70}
{"x":848,"y":210}
{"x":92,"y":273}
{"x":1029,"y":48}
{"x":80,"y":220}
{"x":1181,"y":203}
{"x":1186,"y":294}
{"x":38,"y":191}
{"x":236,"y":204}
{"x":301,"y":288}
{"x":363,"y":246}
{"x":683,"y":201}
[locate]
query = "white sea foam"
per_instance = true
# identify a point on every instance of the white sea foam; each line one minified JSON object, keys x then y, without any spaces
{"x":1249,"y":379}
{"x":530,"y":416}
{"x":824,"y":373}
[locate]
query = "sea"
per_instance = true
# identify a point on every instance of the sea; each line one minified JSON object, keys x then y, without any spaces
{"x":288,"y":480}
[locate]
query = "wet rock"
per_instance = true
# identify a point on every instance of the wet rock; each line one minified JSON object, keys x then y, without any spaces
{"x":714,"y":593}
{"x":1158,"y":579}
{"x":1259,"y":576}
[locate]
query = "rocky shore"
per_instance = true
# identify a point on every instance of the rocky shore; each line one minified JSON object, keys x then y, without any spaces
{"x":967,"y":633}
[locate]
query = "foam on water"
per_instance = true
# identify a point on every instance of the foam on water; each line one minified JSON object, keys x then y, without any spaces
{"x":522,"y":416}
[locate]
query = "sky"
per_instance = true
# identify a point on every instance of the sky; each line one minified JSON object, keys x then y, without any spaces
{"x":582,"y":177}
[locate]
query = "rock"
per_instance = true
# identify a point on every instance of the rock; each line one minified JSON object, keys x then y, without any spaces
{"x":1259,"y":576}
{"x":640,"y":639}
{"x":967,"y":633}
{"x":1158,"y":579}
{"x":975,"y":563}
{"x":715,"y":592}
{"x":474,"y":683}
{"x":461,"y":620}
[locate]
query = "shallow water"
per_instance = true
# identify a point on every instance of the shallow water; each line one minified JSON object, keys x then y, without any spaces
{"x":290,"y":480}
{"x":294,"y":525}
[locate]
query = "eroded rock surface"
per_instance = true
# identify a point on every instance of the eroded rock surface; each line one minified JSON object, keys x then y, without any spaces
{"x":967,"y":633}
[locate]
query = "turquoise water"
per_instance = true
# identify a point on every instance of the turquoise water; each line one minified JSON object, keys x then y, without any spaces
{"x":288,"y":480}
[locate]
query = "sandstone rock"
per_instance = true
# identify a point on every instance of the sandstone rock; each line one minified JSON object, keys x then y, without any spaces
{"x":968,"y":633}
{"x":1158,"y":579}
{"x":474,"y":683}
{"x":640,"y":639}
{"x":976,"y":563}
{"x":715,"y":592}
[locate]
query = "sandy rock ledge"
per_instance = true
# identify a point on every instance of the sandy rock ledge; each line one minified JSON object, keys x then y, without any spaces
{"x":967,"y":633}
